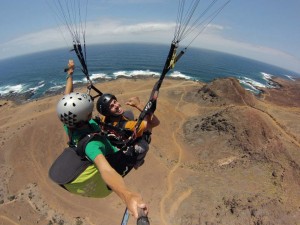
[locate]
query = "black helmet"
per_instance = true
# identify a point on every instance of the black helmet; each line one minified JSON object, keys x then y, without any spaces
{"x":104,"y":102}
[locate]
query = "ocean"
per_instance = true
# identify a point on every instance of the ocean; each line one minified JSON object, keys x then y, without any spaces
{"x":42,"y":73}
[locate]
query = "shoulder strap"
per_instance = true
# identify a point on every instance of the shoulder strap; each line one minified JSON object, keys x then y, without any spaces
{"x":83,"y":141}
{"x":80,"y":149}
{"x":119,"y":129}
{"x":121,"y":124}
{"x":70,"y":142}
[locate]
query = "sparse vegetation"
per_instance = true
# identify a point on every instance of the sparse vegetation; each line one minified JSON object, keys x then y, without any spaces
{"x":11,"y":198}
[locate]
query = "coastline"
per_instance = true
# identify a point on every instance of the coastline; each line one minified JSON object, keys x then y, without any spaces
{"x":28,"y":96}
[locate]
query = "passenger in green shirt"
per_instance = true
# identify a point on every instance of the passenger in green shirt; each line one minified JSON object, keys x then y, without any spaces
{"x":75,"y":112}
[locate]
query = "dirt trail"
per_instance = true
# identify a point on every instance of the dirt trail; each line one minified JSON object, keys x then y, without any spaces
{"x":168,"y":211}
{"x":164,"y":214}
{"x":281,"y":128}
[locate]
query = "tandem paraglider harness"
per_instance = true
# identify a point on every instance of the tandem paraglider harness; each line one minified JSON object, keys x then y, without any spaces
{"x":73,"y":160}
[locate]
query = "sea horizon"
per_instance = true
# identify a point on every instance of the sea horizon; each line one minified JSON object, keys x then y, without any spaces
{"x":40,"y":74}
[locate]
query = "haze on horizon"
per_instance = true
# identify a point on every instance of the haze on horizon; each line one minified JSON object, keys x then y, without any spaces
{"x":266,"y":32}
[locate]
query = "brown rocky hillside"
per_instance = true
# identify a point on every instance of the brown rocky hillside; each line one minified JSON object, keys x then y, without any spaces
{"x":220,"y":156}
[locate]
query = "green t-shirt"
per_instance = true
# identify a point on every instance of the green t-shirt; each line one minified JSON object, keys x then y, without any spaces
{"x":99,"y":145}
{"x":90,"y":183}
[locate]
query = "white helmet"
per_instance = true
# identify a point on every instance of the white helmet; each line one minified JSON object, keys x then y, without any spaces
{"x":74,"y":108}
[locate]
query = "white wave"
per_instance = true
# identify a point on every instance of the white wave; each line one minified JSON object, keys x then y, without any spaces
{"x":57,"y":87}
{"x":11,"y":89}
{"x":248,"y":86}
{"x":256,"y":91}
{"x":122,"y":73}
{"x":252,"y":83}
{"x":40,"y":85}
{"x":79,"y":81}
{"x":266,"y":76}
{"x":134,"y":73}
{"x":290,"y":77}
{"x":95,"y":76}
{"x":99,"y":75}
{"x":178,"y":74}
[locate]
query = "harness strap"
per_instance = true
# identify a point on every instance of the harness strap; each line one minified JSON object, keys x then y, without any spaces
{"x":83,"y":141}
{"x":80,"y":150}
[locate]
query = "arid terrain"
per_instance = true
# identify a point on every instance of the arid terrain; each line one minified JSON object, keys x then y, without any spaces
{"x":220,"y":156}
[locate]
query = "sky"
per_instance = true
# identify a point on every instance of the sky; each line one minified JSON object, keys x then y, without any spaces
{"x":264,"y":30}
